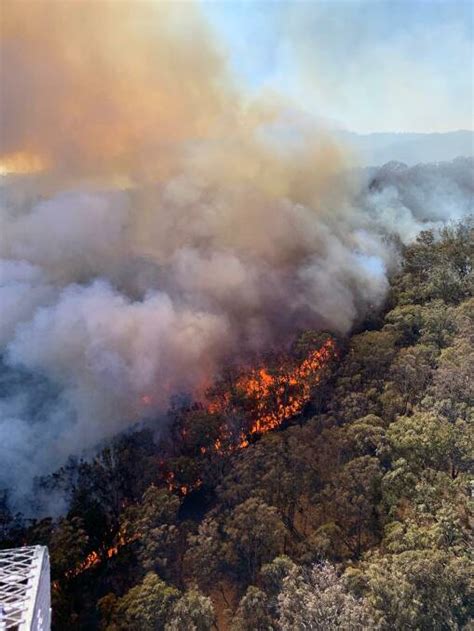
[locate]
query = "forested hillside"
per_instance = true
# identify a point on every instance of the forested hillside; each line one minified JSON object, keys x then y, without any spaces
{"x":351,"y":512}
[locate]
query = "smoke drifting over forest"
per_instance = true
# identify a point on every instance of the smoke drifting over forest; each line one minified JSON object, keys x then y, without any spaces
{"x":156,"y":223}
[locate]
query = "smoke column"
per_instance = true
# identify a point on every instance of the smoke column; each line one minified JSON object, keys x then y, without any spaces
{"x":155,"y":222}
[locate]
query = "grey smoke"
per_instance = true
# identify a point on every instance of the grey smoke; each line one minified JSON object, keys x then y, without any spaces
{"x":169,"y":222}
{"x":405,"y":200}
{"x":110,"y":296}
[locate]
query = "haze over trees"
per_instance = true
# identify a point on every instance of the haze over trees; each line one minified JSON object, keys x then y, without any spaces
{"x":354,"y":515}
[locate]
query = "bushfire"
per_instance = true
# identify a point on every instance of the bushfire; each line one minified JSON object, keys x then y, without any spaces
{"x":261,"y":398}
{"x":244,"y":406}
{"x":93,"y":558}
{"x":269,"y":396}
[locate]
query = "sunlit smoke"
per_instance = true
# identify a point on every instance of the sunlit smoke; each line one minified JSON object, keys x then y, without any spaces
{"x":156,"y":223}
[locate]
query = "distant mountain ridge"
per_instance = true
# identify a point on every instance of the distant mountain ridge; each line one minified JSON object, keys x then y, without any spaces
{"x":410,"y":148}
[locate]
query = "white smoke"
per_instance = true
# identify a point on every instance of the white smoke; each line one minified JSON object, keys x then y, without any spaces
{"x":109,"y":322}
{"x":200,"y":240}
{"x":405,"y":200}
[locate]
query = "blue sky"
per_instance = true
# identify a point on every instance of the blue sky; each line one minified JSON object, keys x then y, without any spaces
{"x":364,"y":65}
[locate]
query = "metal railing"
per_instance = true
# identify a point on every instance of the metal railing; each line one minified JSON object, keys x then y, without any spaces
{"x":25,"y":592}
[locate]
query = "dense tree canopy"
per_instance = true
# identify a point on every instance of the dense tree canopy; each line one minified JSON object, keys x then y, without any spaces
{"x":352,"y":514}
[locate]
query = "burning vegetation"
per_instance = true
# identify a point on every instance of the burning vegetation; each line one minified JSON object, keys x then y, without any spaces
{"x":269,"y":395}
{"x":147,"y":522}
{"x":247,"y":403}
{"x":239,"y":409}
{"x":242,"y":406}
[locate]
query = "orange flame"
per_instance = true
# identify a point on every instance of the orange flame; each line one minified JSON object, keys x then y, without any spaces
{"x":272,"y":397}
{"x":268,"y":396}
{"x":94,"y":558}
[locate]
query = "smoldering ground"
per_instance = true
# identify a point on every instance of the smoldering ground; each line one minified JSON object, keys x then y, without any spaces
{"x":155,"y":223}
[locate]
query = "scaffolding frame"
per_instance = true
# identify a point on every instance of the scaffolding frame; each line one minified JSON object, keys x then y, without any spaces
{"x":25,"y":594}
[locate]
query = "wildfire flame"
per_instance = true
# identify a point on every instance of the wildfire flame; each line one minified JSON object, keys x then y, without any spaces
{"x":21,"y":163}
{"x":268,"y":396}
{"x":271,"y":397}
{"x":94,"y":558}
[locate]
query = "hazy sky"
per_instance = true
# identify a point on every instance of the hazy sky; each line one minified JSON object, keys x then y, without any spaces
{"x":366,"y":65}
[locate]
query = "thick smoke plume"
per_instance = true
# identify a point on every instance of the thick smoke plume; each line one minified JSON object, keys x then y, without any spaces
{"x":156,"y":224}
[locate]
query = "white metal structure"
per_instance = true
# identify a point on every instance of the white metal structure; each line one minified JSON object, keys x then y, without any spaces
{"x":25,"y":592}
